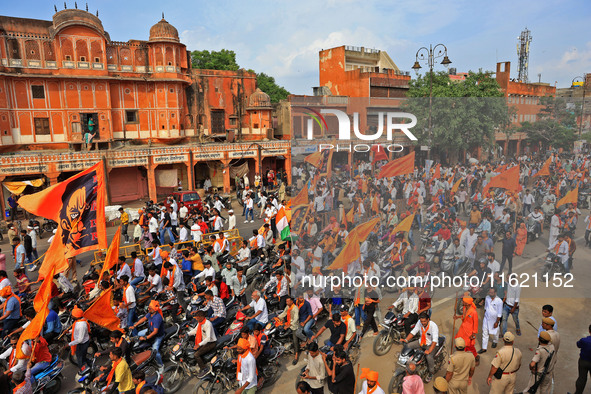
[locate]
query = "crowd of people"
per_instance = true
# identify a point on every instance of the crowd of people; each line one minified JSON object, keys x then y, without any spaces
{"x":184,"y":255}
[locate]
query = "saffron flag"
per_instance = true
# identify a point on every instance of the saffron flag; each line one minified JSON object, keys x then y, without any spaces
{"x":400,"y":166}
{"x":379,"y":153}
{"x":34,"y":328}
{"x":101,"y":312}
{"x":437,"y":173}
{"x":456,"y":186}
{"x":508,"y":180}
{"x":350,"y":253}
{"x":362,"y":231}
{"x":314,"y":159}
{"x":350,"y":216}
{"x":405,"y":224}
{"x":78,"y":206}
{"x":301,"y":198}
{"x":282,"y":224}
{"x":545,"y":170}
{"x":571,"y":197}
{"x":112,"y":254}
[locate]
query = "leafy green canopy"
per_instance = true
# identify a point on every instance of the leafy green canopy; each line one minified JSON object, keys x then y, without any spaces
{"x":464,"y":114}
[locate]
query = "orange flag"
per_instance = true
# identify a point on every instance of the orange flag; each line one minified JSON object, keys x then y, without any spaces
{"x":437,"y":173}
{"x":363,"y":230}
{"x":301,"y":198}
{"x":315,"y":159}
{"x":400,"y":166}
{"x":78,"y":206}
{"x":545,"y":170}
{"x":112,"y":254}
{"x":405,"y":224}
{"x":508,"y":180}
{"x":379,"y":153}
{"x":456,"y":185}
{"x":350,"y":253}
{"x":101,"y":312}
{"x":350,"y":216}
{"x":571,"y":197}
{"x":34,"y":328}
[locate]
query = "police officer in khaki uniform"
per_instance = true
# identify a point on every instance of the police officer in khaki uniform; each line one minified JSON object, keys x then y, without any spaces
{"x":460,"y":369}
{"x":544,"y":350}
{"x":548,"y":325}
{"x":508,"y":358}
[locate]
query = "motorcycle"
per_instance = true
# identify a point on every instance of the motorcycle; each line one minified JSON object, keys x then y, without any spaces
{"x":221,"y":376}
{"x":393,"y":332}
{"x":184,"y":364}
{"x":48,"y":226}
{"x":418,"y":357}
{"x":532,"y":235}
{"x":49,"y":380}
{"x":553,"y":265}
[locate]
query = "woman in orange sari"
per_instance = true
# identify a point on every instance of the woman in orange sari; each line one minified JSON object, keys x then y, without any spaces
{"x":520,"y":239}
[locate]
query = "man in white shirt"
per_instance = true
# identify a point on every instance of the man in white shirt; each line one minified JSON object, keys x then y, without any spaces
{"x":196,"y":232}
{"x":244,"y":254}
{"x":153,"y":281}
{"x":249,"y":204}
{"x":153,"y":226}
{"x":560,"y":249}
{"x":16,"y":364}
{"x":410,"y":306}
{"x":231,"y":220}
{"x":511,"y":307}
{"x":80,"y":337}
{"x":128,"y":299}
{"x":155,"y":253}
{"x":205,"y":338}
{"x":183,"y":212}
{"x":493,"y":265}
{"x":208,"y":271}
{"x":528,"y":201}
{"x":427,"y":334}
{"x":538,"y":217}
{"x":493,"y":311}
{"x":138,"y":275}
{"x":261,"y":315}
{"x":247,"y":367}
{"x":315,"y":372}
{"x":123,"y":268}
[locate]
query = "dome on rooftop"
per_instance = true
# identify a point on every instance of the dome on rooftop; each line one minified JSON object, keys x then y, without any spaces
{"x":163,"y":31}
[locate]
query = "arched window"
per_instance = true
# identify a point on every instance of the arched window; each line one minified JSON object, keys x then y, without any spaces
{"x":169,"y":57}
{"x":32,"y":50}
{"x":96,"y":52}
{"x":67,"y":49}
{"x":48,"y":51}
{"x":14,"y":49}
{"x":81,"y":51}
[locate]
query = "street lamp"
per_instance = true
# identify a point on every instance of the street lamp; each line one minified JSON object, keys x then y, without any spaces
{"x":584,"y":80}
{"x":428,"y":56}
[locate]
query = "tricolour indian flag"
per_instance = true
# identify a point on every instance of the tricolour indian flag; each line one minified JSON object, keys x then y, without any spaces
{"x":282,"y":224}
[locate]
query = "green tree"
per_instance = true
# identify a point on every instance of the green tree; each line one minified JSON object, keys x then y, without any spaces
{"x":214,"y":60}
{"x":556,"y":128}
{"x":268,"y":85}
{"x":464,"y":114}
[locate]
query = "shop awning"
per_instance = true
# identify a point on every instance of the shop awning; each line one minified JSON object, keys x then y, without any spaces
{"x":18,"y":187}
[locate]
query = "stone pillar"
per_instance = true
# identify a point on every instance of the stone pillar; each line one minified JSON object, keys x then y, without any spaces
{"x":152,"y":181}
{"x":52,"y":176}
{"x":226,"y":175}
{"x":518,"y":147}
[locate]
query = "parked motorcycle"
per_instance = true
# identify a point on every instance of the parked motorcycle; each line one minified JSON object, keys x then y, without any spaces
{"x":418,"y":357}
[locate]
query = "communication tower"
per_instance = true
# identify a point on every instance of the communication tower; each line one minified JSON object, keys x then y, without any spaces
{"x":523,"y":53}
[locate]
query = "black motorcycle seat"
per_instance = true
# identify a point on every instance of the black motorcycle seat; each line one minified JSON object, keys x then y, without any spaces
{"x":170,"y":331}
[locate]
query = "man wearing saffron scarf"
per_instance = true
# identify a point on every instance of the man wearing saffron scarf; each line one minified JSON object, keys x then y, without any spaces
{"x":429,"y":337}
{"x":120,"y":372}
{"x":469,"y":327}
{"x":370,"y":385}
{"x":205,"y":339}
{"x":246,"y":368}
{"x":155,"y":329}
{"x":80,"y":337}
{"x":291,"y":317}
{"x":11,"y":311}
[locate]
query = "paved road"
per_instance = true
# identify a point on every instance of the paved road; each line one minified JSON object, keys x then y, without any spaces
{"x":571,"y":310}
